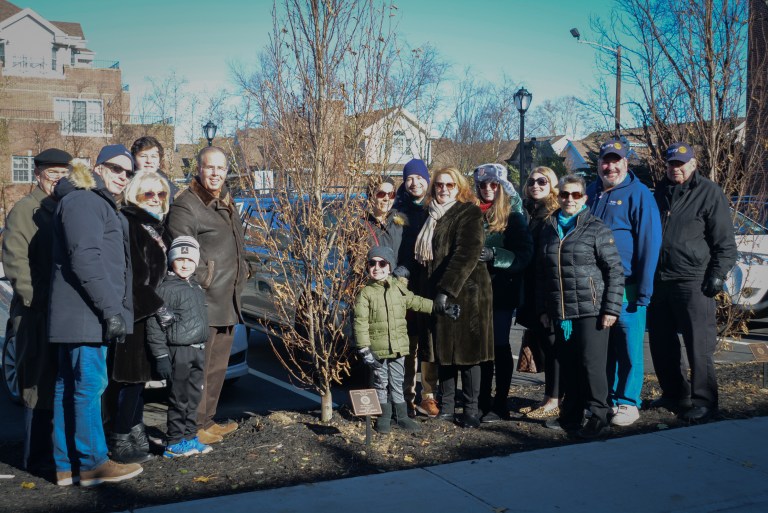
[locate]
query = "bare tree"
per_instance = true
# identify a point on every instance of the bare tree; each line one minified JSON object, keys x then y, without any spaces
{"x":328,"y":68}
{"x":561,"y":116}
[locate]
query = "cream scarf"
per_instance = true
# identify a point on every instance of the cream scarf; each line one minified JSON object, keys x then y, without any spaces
{"x":423,"y":248}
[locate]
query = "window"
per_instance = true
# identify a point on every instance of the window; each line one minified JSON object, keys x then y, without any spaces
{"x":74,"y":58}
{"x":53,"y":58}
{"x":23,"y":169}
{"x":2,"y":52}
{"x":401,"y":145}
{"x":79,"y":117}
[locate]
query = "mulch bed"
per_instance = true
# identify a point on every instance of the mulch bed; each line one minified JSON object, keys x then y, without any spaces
{"x":287,"y":448}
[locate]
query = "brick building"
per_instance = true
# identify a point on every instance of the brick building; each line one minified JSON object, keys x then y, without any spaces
{"x":54,"y":93}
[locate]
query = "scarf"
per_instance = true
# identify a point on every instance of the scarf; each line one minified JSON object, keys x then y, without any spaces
{"x":423,"y":248}
{"x":565,"y":224}
{"x":484,"y":207}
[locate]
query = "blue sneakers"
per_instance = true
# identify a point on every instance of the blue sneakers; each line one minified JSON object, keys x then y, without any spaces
{"x":182,"y":448}
{"x":201,"y":448}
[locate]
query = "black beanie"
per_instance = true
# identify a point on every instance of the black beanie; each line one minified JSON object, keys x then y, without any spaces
{"x":383,"y":252}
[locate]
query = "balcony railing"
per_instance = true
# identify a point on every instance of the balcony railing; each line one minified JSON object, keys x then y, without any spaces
{"x":102,"y":64}
{"x":48,"y":115}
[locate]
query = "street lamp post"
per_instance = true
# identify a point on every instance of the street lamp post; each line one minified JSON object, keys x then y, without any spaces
{"x":209,"y":129}
{"x":522,"y":102}
{"x":617,"y":51}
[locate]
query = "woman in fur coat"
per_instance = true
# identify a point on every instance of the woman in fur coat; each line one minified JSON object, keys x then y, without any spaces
{"x":448,"y":248}
{"x":147,"y":200}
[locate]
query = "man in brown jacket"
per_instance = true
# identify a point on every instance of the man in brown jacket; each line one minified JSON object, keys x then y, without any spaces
{"x":206,"y":211}
{"x":27,"y":264}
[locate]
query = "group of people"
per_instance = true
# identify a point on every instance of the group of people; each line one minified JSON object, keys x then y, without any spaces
{"x":580,"y":266}
{"x":117,"y":281}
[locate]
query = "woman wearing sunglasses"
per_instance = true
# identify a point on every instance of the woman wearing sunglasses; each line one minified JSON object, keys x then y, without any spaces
{"x":539,"y":201}
{"x":146,"y":204}
{"x":579,"y":294}
{"x":507,"y":251}
{"x":448,"y":247}
{"x":384,"y":224}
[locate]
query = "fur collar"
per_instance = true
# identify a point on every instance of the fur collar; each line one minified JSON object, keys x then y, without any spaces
{"x":206,"y":197}
{"x":82,"y":177}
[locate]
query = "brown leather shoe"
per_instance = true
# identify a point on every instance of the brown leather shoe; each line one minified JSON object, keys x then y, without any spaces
{"x":109,"y":472}
{"x":208,"y":438}
{"x":222,"y":429}
{"x":428,"y":407}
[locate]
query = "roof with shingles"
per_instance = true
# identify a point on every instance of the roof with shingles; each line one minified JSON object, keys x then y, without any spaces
{"x":7,"y":9}
{"x":70,"y":28}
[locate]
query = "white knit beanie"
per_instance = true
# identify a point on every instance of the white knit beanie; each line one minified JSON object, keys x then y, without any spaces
{"x":184,"y":247}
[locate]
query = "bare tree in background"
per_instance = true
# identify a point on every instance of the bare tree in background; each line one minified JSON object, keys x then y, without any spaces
{"x":561,"y":116}
{"x":328,"y":66}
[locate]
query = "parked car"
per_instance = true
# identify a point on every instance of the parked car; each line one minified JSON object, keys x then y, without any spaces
{"x":747,"y":283}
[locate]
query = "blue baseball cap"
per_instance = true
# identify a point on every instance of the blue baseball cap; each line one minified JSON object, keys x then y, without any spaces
{"x":679,"y":151}
{"x":614,"y":146}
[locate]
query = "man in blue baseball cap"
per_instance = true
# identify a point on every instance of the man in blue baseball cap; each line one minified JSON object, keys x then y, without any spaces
{"x":698,"y":248}
{"x":627,"y":207}
{"x":91,"y":306}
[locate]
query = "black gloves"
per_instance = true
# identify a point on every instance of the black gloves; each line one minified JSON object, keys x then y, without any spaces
{"x":164,"y":317}
{"x":401,"y":272}
{"x":487,"y":254}
{"x":711,"y":286}
{"x":442,"y":307}
{"x":163,"y":367}
{"x":369,"y":358}
{"x":115,"y":329}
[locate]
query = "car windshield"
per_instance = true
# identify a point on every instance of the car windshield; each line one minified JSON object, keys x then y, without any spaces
{"x":743,"y":225}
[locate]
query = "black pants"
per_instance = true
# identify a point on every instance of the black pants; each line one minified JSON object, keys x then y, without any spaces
{"x":130,"y":406}
{"x":186,"y":390}
{"x":544,"y":338}
{"x":681,"y":307}
{"x":470,"y":387}
{"x":583,"y":359}
{"x":503,"y":363}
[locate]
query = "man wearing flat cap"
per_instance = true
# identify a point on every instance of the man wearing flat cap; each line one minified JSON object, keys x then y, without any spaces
{"x":627,"y":207}
{"x":698,"y":248}
{"x":91,"y":306}
{"x":27,"y":265}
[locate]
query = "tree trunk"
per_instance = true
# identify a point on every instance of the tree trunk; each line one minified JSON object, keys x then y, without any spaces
{"x":326,"y":406}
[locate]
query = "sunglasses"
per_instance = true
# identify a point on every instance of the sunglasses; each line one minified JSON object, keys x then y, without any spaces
{"x":385,"y":194}
{"x":151,"y":195}
{"x":381,"y":263}
{"x":447,"y":185}
{"x":541,"y":182}
{"x":575,"y":195}
{"x":489,"y":185}
{"x":118,"y":169}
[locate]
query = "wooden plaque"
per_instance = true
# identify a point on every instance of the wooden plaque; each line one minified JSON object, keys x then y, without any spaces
{"x":759,"y":351}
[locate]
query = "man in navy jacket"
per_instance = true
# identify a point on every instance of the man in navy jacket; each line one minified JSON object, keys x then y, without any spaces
{"x":629,"y":209}
{"x":91,"y":305}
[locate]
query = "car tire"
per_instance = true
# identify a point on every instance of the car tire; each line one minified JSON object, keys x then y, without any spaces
{"x":10,"y":375}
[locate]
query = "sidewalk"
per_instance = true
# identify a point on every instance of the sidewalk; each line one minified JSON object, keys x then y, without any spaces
{"x":721,"y":466}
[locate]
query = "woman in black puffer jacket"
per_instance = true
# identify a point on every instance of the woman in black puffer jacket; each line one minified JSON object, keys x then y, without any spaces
{"x":580,"y":290}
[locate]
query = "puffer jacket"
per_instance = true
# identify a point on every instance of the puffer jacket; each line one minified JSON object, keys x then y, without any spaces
{"x":92,"y":277}
{"x":222,"y":271}
{"x":388,"y":234}
{"x":380,"y":316}
{"x":582,"y":275}
{"x":187,"y":300}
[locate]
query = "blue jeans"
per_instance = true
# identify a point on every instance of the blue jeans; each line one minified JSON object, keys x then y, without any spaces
{"x":78,"y":434}
{"x":625,"y":356}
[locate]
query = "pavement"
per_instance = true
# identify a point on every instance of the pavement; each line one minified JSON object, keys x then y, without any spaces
{"x":717,"y":467}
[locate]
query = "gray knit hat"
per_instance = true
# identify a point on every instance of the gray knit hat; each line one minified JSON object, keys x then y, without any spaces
{"x":383,"y":252}
{"x":184,"y":247}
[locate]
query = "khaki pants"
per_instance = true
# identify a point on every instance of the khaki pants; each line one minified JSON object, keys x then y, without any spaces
{"x":217,"y":349}
{"x":428,"y":374}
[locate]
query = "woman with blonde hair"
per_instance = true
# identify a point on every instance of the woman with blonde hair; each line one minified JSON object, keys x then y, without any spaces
{"x":539,"y":201}
{"x":507,"y":251}
{"x":448,"y":248}
{"x":147,"y":199}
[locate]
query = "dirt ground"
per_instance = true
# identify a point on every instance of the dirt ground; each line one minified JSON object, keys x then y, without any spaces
{"x":288,"y":447}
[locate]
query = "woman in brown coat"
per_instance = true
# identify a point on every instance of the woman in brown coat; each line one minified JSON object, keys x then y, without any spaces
{"x":449,"y":247}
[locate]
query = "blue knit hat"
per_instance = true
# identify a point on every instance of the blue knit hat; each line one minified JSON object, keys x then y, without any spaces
{"x":416,"y":167}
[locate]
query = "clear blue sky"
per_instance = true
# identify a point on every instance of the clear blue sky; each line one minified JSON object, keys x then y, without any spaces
{"x":526,"y":39}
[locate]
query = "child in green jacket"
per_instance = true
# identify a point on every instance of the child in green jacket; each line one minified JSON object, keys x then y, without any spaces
{"x":381,"y":333}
